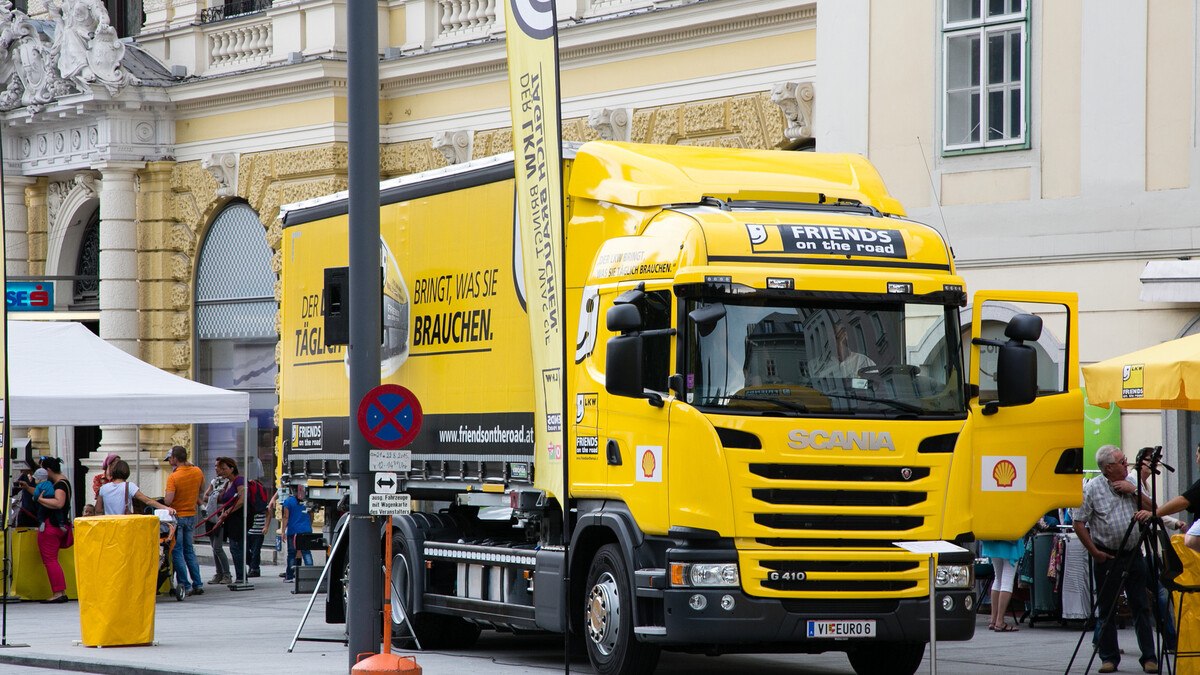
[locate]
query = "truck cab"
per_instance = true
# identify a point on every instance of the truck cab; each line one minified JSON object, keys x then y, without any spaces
{"x":783,"y":392}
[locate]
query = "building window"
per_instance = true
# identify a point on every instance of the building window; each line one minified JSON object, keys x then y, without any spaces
{"x":86,"y":293}
{"x":236,"y":338}
{"x":126,"y":16}
{"x":984,"y":52}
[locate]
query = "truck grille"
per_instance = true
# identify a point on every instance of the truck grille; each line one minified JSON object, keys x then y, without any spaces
{"x":839,"y":472}
{"x":823,"y":531}
{"x":837,"y":497}
{"x":785,"y":521}
{"x":843,"y":566}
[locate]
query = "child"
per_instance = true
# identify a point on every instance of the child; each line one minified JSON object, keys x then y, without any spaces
{"x":89,"y":510}
{"x":44,"y":487}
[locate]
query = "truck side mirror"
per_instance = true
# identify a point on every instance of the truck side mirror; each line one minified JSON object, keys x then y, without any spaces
{"x":335,"y":303}
{"x":1016,"y":365}
{"x":707,"y":317}
{"x":1026,"y":327}
{"x":623,"y":365}
{"x":624,"y":319}
{"x":1016,"y":374}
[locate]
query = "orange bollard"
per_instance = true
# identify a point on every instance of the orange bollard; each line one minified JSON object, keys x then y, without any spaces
{"x":385,"y":663}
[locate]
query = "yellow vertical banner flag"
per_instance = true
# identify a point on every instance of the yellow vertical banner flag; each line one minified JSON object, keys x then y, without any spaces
{"x":537,"y":157}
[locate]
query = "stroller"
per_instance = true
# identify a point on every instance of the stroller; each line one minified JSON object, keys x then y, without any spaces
{"x":166,"y":544}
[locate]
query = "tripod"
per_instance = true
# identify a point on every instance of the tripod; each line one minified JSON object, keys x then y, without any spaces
{"x":1139,"y":562}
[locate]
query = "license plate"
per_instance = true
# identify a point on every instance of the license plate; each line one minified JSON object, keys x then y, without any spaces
{"x":841,"y":630}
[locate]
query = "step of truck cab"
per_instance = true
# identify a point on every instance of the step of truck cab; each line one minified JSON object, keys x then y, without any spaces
{"x":650,"y":583}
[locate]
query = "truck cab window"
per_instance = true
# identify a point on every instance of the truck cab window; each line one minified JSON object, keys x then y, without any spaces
{"x":656,"y":357}
{"x":807,"y":358}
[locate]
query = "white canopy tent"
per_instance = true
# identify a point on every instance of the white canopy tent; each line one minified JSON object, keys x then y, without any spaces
{"x":61,"y":374}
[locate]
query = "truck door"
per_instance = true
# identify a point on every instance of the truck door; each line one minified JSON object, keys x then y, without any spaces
{"x":1026,"y":459}
{"x":639,"y":429}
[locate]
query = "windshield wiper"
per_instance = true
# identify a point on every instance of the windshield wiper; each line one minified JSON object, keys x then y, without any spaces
{"x":797,"y":407}
{"x":899,"y":405}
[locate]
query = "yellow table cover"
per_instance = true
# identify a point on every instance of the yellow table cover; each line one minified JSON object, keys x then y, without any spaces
{"x":29,"y":580}
{"x":1189,"y":623}
{"x":116,"y":565}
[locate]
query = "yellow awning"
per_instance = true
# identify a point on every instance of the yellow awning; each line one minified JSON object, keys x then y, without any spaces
{"x":1165,"y":376}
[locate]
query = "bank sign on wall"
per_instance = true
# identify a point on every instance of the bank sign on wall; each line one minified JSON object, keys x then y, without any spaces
{"x":29,"y":296}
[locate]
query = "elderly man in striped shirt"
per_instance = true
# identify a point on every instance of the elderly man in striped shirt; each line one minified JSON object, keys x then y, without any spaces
{"x":1110,"y":507}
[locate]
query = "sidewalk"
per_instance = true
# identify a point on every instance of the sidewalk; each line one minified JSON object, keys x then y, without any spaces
{"x":248,"y":632}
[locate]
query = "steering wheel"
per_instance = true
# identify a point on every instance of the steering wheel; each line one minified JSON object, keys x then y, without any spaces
{"x":890,"y":369}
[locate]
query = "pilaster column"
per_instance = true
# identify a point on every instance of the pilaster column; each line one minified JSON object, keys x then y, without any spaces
{"x":16,"y":225}
{"x":118,"y":285}
{"x":36,"y":196}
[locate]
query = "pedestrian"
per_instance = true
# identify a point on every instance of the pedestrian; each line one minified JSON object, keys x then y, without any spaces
{"x":183,"y":493}
{"x":1106,"y":527}
{"x":1004,"y":555}
{"x":25,"y":506}
{"x":1190,"y":499}
{"x":233,"y":515}
{"x":254,"y":542}
{"x":1162,"y":597}
{"x":215,"y":531}
{"x":117,"y":495}
{"x":295,"y":520}
{"x":102,"y":476}
{"x":55,"y":527}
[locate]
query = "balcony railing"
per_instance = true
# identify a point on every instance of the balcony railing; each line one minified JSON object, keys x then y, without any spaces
{"x":439,"y":23}
{"x":233,"y":8}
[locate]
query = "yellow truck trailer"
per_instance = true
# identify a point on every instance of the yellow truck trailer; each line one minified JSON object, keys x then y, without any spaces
{"x":774,"y":381}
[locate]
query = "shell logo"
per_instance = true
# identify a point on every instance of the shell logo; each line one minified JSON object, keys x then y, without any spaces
{"x":648,"y":464}
{"x":1004,"y":473}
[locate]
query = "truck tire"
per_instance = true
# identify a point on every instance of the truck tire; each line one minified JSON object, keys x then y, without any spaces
{"x":608,"y":608}
{"x":884,"y":658}
{"x":435,"y":631}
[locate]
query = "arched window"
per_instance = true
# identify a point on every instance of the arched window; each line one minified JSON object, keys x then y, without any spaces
{"x":86,"y":293}
{"x":235,"y":338}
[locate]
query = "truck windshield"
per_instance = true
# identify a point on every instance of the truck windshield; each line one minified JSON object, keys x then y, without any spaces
{"x":800,"y":358}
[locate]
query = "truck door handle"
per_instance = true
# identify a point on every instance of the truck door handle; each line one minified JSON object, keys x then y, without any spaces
{"x":613,"y":451}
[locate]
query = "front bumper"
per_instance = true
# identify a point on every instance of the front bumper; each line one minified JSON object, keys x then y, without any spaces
{"x":768,"y":624}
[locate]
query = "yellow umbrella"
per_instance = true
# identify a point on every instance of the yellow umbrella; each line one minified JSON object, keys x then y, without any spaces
{"x":1165,"y":376}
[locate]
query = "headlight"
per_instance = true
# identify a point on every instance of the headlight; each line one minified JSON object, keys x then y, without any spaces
{"x":954,"y":576}
{"x":705,"y":575}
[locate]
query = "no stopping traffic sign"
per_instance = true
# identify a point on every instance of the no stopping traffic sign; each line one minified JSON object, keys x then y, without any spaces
{"x":389,"y":416}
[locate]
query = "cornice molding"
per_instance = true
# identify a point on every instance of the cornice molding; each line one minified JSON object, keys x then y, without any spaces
{"x":239,"y":95}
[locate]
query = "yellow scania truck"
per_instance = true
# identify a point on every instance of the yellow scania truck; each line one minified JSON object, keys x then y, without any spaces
{"x":777,"y":381}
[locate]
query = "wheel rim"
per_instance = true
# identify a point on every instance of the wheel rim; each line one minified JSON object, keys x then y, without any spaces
{"x":346,"y":589}
{"x":603,"y":614}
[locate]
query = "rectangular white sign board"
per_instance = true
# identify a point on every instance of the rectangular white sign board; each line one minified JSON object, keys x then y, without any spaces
{"x":386,"y":483}
{"x":390,"y":460}
{"x":929,"y":547}
{"x":390,"y":505}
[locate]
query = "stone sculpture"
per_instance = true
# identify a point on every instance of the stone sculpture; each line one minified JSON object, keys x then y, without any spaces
{"x":41,"y":61}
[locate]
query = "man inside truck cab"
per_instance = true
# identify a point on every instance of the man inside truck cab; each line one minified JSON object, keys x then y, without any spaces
{"x":847,"y":362}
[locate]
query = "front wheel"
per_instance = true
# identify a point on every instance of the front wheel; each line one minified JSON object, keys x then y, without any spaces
{"x":887,"y":658}
{"x":612,"y":647}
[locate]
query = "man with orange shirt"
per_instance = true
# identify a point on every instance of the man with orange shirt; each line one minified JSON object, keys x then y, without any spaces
{"x":183,"y":493}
